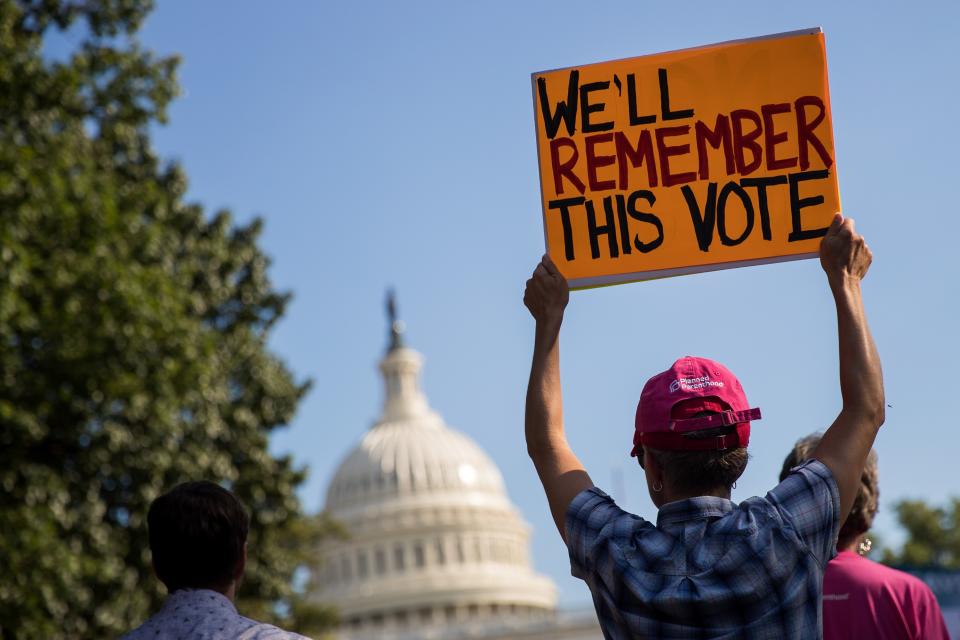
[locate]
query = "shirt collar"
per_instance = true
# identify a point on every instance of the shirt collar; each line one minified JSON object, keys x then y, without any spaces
{"x":205,"y":596}
{"x":693,"y":509}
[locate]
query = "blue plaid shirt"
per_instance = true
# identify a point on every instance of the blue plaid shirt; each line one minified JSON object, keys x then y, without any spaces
{"x":710,"y":568}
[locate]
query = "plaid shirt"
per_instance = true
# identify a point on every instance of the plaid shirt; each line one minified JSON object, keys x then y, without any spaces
{"x":710,"y":568}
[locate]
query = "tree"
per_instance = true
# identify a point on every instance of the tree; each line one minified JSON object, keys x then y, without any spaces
{"x":133,"y":333}
{"x":933,"y":535}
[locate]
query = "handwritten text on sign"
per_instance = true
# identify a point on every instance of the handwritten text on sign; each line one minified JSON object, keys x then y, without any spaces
{"x":686,"y":161}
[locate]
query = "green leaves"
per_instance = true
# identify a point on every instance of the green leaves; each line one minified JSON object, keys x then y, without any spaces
{"x":933,"y":535}
{"x":133,"y":336}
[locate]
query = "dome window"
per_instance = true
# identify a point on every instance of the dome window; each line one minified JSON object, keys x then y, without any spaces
{"x":380,"y":561}
{"x":467,"y":474}
{"x":361,"y":565}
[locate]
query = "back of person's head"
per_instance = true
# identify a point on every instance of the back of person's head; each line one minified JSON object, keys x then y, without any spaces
{"x":865,"y":505}
{"x":694,"y":419}
{"x":701,"y":472}
{"x":197,"y":535}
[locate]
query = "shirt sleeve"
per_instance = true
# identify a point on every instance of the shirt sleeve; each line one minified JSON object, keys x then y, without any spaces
{"x":930,"y":622}
{"x":589,"y":524}
{"x":808,"y":501}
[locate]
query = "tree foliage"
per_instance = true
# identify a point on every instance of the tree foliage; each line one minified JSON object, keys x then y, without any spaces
{"x":133,"y":334}
{"x":933,"y":535}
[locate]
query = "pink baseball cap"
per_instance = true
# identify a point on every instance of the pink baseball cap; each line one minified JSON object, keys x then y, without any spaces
{"x":690,"y":386}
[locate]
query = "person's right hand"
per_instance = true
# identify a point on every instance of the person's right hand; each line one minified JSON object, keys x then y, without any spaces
{"x":844,"y":254}
{"x":547,"y":293}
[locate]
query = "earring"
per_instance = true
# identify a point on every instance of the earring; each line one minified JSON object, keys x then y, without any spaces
{"x":864,"y":547}
{"x":734,"y":485}
{"x":656,"y":488}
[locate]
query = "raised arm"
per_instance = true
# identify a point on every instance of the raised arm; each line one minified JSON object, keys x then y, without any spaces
{"x":845,"y":258}
{"x":561,"y":473}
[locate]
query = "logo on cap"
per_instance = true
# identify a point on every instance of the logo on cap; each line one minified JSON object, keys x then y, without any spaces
{"x":692,"y":384}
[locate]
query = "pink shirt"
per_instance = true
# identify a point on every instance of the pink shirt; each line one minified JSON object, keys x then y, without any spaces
{"x":865,"y":599}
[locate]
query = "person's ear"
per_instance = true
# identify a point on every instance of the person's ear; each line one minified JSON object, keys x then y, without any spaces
{"x":241,"y":564}
{"x":651,"y":464}
{"x":653,"y":469}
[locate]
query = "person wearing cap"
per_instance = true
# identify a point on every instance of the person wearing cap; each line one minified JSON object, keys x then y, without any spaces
{"x":863,"y":598}
{"x":708,"y":568}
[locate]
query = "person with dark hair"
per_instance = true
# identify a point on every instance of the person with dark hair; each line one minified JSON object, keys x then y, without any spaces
{"x":198,"y":538}
{"x":708,"y":568}
{"x":862,"y":598}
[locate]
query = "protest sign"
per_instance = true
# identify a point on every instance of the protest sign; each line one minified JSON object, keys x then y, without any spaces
{"x":695,"y":160}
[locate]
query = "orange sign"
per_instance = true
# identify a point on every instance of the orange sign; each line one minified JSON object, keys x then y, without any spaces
{"x":695,"y":160}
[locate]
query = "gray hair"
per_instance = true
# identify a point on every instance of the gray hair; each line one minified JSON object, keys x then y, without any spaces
{"x":865,"y":505}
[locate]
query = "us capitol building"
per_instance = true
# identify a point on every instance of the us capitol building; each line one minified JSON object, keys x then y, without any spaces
{"x":435,"y":549}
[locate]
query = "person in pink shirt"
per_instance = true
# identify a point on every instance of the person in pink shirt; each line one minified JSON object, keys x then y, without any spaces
{"x":863,"y":598}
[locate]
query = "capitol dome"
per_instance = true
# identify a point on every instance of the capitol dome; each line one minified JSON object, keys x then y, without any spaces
{"x":433,"y":541}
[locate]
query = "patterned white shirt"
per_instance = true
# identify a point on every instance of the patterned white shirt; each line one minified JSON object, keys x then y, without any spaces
{"x":202,"y":614}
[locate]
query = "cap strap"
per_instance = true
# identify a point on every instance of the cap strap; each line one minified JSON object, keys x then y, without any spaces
{"x":740,"y":437}
{"x":722,"y":419}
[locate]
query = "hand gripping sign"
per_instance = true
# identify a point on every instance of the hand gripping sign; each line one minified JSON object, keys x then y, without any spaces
{"x":695,"y":160}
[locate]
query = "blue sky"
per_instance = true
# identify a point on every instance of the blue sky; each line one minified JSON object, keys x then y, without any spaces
{"x":391,"y":144}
